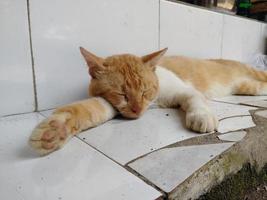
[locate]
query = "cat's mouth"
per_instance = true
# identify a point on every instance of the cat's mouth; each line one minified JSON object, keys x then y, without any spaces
{"x":131,"y":115}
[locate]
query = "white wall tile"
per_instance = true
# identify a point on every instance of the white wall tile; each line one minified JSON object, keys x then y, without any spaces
{"x":105,"y":27}
{"x":190,"y":31}
{"x":16,"y":84}
{"x":75,"y":172}
{"x":242,"y":38}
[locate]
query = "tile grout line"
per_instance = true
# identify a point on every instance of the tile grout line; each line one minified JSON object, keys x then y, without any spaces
{"x":249,"y":105}
{"x":46,"y":109}
{"x":24,"y":113}
{"x":125,"y":167}
{"x":169,"y":146}
{"x":239,"y":104}
{"x":140,"y":176}
{"x":42,"y":114}
{"x":219,"y":134}
{"x":16,"y":114}
{"x":234,"y":117}
{"x":32,"y":58}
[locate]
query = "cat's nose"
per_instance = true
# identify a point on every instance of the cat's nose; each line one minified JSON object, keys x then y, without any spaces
{"x":136,"y":109}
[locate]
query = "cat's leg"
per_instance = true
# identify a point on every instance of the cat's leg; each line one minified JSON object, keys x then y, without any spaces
{"x":250,"y":87}
{"x":199,"y":116}
{"x":174,"y":92}
{"x":52,"y":133}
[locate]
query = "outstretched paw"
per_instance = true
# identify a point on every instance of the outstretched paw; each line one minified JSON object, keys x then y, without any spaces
{"x":201,"y":120}
{"x":48,"y":136}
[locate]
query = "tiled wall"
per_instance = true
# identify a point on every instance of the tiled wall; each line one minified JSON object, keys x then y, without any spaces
{"x":241,"y":38}
{"x":104,"y":27}
{"x":16,"y":82}
{"x":190,"y":31}
{"x":202,"y":33}
{"x":59,"y":27}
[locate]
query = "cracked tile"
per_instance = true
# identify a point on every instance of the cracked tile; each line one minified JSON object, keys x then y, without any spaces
{"x":124,"y":140}
{"x":75,"y":172}
{"x":169,"y":167}
{"x":224,"y":110}
{"x":262,"y":113}
{"x":235,"y":123}
{"x":233,"y":136}
{"x":262,"y":103}
{"x":237,"y":99}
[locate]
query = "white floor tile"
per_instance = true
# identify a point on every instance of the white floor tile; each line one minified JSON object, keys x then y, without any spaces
{"x":223,"y":110}
{"x":237,"y":99}
{"x":235,"y":123}
{"x":262,"y":113}
{"x":233,"y":136}
{"x":262,"y":103}
{"x":124,"y":140}
{"x":104,"y":27}
{"x":169,"y":167}
{"x":47,"y":113}
{"x":16,"y":82}
{"x":190,"y":31}
{"x":75,"y":172}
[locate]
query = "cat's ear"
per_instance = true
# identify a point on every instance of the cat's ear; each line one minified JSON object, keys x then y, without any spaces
{"x":152,"y":59}
{"x":95,"y":63}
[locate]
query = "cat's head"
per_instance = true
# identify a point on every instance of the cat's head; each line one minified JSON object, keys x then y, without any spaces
{"x":128,"y":82}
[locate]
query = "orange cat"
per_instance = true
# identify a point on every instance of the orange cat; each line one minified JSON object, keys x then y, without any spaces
{"x":127,"y":84}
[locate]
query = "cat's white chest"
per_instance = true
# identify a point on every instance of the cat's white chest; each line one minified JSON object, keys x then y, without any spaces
{"x":171,"y":87}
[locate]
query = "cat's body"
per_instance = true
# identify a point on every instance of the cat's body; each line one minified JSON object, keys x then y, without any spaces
{"x":127,"y":84}
{"x":217,"y":77}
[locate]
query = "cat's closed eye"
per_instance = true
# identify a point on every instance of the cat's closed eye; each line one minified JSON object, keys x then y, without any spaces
{"x":123,"y":96}
{"x":147,"y":93}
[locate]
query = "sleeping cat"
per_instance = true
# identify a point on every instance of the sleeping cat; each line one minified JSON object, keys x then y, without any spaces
{"x":127,"y":85}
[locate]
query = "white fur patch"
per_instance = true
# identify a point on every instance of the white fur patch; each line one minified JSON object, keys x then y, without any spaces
{"x":218,"y":90}
{"x":173,"y":91}
{"x":110,"y":111}
{"x":170,"y":87}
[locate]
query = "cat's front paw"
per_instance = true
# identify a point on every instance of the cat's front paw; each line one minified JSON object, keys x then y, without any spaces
{"x":48,"y":136}
{"x":201,"y":120}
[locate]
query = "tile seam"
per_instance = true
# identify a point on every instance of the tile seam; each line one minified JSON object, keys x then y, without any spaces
{"x":32,"y":58}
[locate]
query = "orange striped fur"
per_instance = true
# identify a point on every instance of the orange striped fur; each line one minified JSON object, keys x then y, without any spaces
{"x":127,"y":84}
